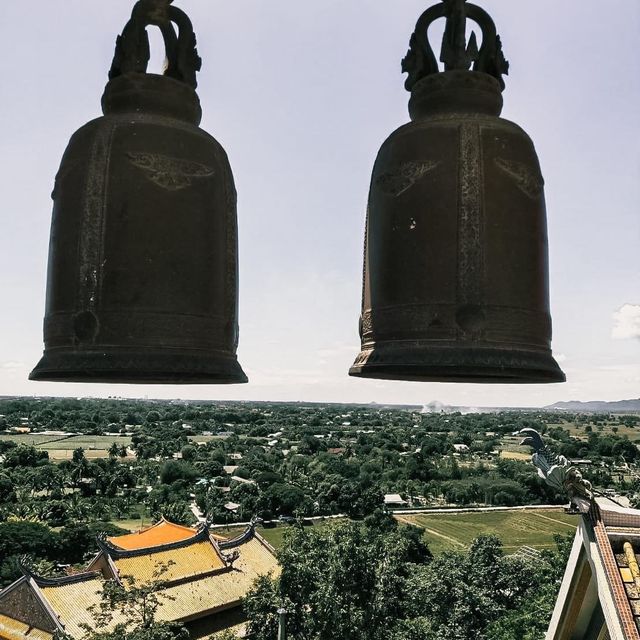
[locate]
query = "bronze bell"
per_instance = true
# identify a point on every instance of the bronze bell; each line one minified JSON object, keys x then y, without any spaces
{"x":456,"y":259}
{"x":142,"y":281}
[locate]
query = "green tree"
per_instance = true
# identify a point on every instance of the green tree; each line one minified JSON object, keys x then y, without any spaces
{"x":345,"y":581}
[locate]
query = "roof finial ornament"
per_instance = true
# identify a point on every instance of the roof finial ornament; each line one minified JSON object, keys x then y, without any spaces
{"x":457,"y":54}
{"x":558,"y":472}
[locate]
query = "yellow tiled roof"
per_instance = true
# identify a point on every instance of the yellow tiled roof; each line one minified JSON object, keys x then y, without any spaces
{"x":221,"y":590}
{"x":174,"y":564}
{"x":73,"y":604}
{"x":194,"y":597}
{"x":11,"y":629}
{"x":162,"y":532}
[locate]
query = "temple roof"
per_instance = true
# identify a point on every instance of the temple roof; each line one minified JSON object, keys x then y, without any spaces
{"x":74,"y":603}
{"x":200,"y":577}
{"x":220,"y":591}
{"x":163,"y":532}
{"x":11,"y":629}
{"x":170,"y":565}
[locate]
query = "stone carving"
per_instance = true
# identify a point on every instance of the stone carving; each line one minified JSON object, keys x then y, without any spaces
{"x":531,"y":184}
{"x":407,"y":174}
{"x":558,"y":471}
{"x":172,"y":174}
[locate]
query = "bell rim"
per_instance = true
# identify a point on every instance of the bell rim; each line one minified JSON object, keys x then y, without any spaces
{"x":457,"y":365}
{"x":457,"y":375}
{"x":104,"y":367}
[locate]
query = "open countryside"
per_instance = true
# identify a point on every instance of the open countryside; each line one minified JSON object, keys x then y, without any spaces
{"x":409,"y":497}
{"x":455,"y":531}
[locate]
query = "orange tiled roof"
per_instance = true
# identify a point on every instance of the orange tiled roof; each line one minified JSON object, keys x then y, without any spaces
{"x":163,"y":532}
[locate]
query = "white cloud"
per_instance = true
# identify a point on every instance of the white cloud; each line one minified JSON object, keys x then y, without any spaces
{"x":626,"y":322}
{"x":11,"y":365}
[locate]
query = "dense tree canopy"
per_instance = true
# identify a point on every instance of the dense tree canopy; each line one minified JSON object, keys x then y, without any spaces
{"x":376,"y":580}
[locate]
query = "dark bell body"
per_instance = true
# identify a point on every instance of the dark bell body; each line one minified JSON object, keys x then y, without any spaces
{"x":142,"y":280}
{"x":456,"y":258}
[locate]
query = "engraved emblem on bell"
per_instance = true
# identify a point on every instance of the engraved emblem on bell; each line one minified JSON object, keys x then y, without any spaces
{"x":456,"y":258}
{"x":142,"y":280}
{"x":169,"y":173}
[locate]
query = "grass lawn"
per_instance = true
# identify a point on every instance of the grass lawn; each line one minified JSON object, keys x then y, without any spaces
{"x":445,"y":531}
{"x":61,"y":447}
{"x":54,"y":443}
{"x":515,"y":455}
{"x":34,"y":439}
{"x":516,"y":528}
{"x":57,"y":455}
{"x":579,"y":430}
{"x":133,"y":525}
{"x":273,"y":535}
{"x":87,"y":443}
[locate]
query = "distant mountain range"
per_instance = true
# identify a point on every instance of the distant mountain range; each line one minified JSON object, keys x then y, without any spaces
{"x":596,"y":406}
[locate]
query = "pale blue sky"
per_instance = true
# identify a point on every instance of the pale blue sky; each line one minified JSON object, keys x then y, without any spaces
{"x":302,"y":94}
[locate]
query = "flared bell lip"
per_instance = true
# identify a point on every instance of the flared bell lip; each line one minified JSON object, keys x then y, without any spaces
{"x":457,"y":364}
{"x":130,"y":367}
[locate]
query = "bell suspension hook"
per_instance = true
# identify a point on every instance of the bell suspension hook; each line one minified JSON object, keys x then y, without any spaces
{"x":132,"y":47}
{"x":455,"y":53}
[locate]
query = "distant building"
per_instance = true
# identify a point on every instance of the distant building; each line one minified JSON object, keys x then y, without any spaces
{"x":205,"y":578}
{"x":461,"y":448}
{"x":242,"y":480}
{"x":394,"y":500}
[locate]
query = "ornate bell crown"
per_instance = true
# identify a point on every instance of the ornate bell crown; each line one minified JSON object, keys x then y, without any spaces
{"x":132,"y":46}
{"x":457,"y":53}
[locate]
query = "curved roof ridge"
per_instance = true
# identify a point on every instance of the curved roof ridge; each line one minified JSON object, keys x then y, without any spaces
{"x":201,"y":534}
{"x":162,"y":529}
{"x":57,"y":581}
{"x":245,"y":536}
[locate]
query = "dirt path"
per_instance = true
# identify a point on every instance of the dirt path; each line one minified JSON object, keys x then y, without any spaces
{"x":432,"y":532}
{"x":566,"y":524}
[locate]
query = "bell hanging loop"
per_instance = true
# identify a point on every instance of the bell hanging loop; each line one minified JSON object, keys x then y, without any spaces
{"x":143,"y":266}
{"x":132,"y":47}
{"x":456,"y":258}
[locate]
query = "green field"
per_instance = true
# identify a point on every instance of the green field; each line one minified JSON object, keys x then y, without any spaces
{"x":516,"y":528}
{"x":448,"y":531}
{"x":608,"y":428}
{"x":61,"y":447}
